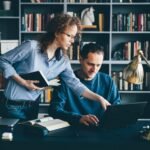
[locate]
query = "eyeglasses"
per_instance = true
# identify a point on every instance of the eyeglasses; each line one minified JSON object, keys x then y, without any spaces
{"x":70,"y":36}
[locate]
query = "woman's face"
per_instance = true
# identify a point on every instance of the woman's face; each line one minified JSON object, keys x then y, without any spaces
{"x":66,"y":38}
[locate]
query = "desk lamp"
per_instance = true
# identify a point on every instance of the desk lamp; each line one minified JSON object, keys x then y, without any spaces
{"x":134,"y":72}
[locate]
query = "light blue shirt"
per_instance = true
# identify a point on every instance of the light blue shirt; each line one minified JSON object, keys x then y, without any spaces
{"x":28,"y":58}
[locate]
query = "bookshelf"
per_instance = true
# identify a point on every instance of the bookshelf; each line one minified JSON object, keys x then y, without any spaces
{"x":130,"y":31}
{"x":118,"y":28}
{"x":9,"y":21}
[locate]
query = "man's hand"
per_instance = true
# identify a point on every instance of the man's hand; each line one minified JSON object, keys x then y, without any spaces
{"x":89,"y":120}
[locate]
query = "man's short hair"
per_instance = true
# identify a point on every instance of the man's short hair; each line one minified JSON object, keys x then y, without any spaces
{"x":91,"y":47}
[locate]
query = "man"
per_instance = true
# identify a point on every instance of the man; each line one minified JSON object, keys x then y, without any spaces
{"x":67,"y":106}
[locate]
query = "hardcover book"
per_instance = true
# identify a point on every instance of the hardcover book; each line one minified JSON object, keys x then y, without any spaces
{"x":39,"y":76}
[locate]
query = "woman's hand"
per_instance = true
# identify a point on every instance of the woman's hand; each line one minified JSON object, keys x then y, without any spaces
{"x":29,"y":84}
{"x":89,"y":120}
{"x":104,"y":102}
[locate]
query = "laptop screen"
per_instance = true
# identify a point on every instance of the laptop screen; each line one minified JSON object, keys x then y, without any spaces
{"x":8,"y":122}
{"x":122,"y":115}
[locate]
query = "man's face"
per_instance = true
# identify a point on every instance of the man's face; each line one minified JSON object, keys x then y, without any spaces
{"x":91,"y":65}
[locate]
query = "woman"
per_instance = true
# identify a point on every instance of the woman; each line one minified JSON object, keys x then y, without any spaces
{"x":48,"y":55}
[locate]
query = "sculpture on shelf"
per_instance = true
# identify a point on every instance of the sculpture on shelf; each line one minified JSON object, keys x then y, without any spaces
{"x":87,"y":16}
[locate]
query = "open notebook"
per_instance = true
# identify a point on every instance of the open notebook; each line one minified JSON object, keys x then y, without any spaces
{"x":39,"y":76}
{"x":122,"y":115}
{"x":43,"y":126}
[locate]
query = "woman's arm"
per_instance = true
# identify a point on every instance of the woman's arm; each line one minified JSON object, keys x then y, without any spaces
{"x":93,"y":96}
{"x":13,"y":57}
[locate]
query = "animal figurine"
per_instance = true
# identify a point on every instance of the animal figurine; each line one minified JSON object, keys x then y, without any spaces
{"x":87,"y":16}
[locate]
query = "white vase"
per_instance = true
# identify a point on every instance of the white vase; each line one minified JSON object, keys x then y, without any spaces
{"x":7,"y":5}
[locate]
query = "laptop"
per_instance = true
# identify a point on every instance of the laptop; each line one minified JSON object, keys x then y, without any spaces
{"x":8,"y":122}
{"x":122,"y":115}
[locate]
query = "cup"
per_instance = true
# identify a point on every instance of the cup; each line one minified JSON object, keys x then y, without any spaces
{"x":7,"y":5}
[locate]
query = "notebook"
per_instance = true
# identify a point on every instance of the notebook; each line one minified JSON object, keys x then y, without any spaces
{"x":39,"y":76}
{"x":122,"y":115}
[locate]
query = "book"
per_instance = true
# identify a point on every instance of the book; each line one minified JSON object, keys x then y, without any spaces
{"x":39,"y":76}
{"x":101,"y":21}
{"x":32,"y":122}
{"x":44,"y":125}
{"x":53,"y":124}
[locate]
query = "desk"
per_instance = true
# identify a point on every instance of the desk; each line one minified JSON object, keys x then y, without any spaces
{"x":80,"y":138}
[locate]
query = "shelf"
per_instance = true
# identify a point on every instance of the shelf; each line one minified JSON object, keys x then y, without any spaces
{"x":135,"y":92}
{"x":42,"y":104}
{"x":42,"y":3}
{"x":32,"y":32}
{"x":127,"y":32}
{"x":87,"y":4}
{"x":112,"y":40}
{"x":9,"y":17}
{"x":95,"y":32}
{"x":132,"y":4}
